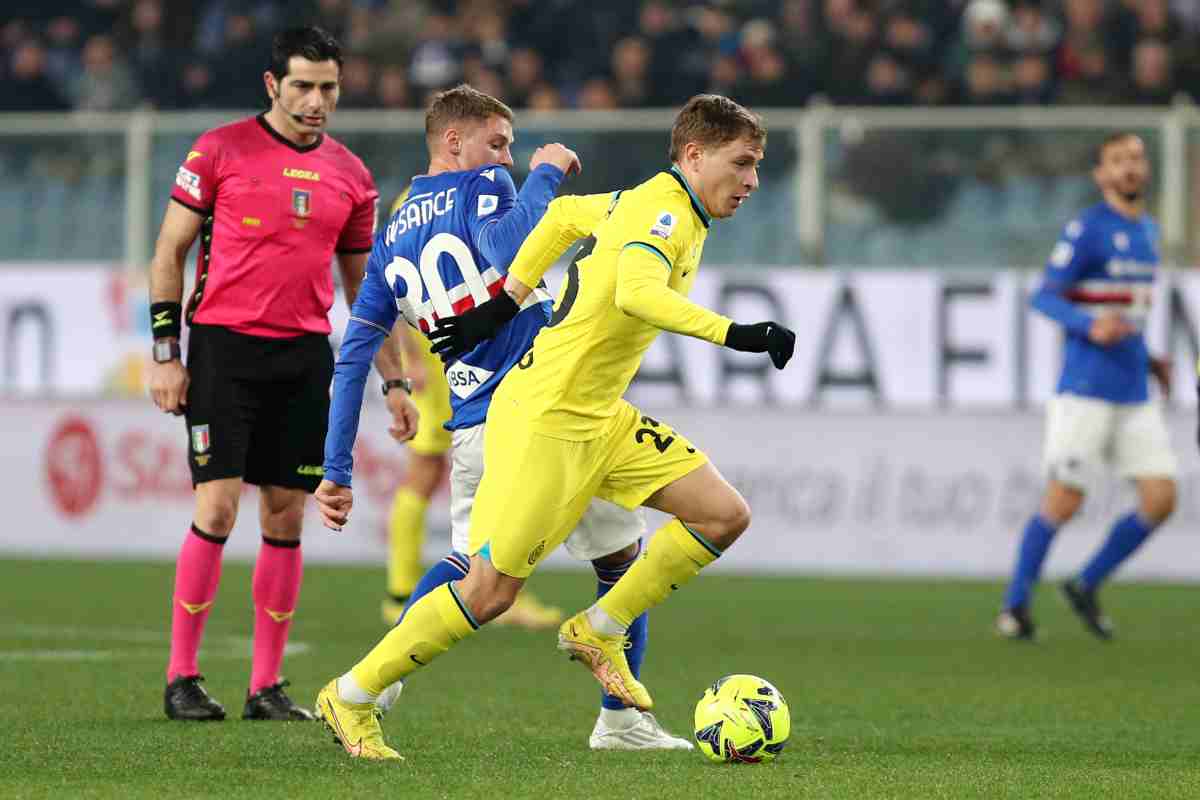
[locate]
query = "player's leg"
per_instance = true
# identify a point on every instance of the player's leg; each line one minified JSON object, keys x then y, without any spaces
{"x":406,"y":528}
{"x":427,"y":465}
{"x":1077,"y":432}
{"x":525,"y":478}
{"x":287,"y":447}
{"x":197,"y":576}
{"x":218,"y":416}
{"x":1142,"y":453}
{"x":652,"y":465}
{"x":466,"y":472}
{"x":278,"y":572}
{"x":610,"y":537}
{"x":618,"y":726}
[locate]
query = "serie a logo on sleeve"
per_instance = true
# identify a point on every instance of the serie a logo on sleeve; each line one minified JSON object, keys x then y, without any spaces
{"x":663,"y":225}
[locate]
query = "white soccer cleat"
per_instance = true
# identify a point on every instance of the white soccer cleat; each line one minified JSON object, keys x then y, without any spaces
{"x":385,"y":701}
{"x":645,"y":734}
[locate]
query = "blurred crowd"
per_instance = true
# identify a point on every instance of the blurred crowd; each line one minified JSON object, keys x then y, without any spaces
{"x":550,"y":54}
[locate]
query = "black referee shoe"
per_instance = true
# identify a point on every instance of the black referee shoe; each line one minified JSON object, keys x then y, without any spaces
{"x":185,"y":699}
{"x":1084,"y":603}
{"x":1015,"y":623}
{"x":273,"y":703}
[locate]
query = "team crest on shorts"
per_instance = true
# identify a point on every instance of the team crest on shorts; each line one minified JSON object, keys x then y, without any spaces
{"x":200,"y":439}
{"x":302,"y":202}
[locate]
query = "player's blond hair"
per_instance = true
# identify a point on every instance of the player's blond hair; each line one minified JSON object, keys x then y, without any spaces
{"x":459,"y":104}
{"x":711,"y":120}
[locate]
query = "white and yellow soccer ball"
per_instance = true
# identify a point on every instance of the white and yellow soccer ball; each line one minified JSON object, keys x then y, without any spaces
{"x":742,"y":718}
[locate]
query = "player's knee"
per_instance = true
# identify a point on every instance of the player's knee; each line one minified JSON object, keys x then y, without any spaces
{"x":486,"y":593}
{"x":216,"y":518}
{"x":619,"y":558}
{"x":731,"y":522}
{"x":1061,"y":503}
{"x":426,"y":473}
{"x":1157,"y":500}
{"x":284,"y":523}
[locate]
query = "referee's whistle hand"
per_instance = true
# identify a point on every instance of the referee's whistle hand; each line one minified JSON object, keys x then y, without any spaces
{"x":334,"y":503}
{"x":168,"y":386}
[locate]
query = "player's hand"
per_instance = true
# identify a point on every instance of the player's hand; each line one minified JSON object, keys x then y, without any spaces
{"x":169,"y":385}
{"x":405,"y":416}
{"x":559,"y":155}
{"x":454,"y":336}
{"x":1160,"y":368}
{"x":334,"y":502}
{"x":1108,"y":328}
{"x":763,"y":337}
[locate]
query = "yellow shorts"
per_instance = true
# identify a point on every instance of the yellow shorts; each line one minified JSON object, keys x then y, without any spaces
{"x":433,"y":404}
{"x":535,"y":487}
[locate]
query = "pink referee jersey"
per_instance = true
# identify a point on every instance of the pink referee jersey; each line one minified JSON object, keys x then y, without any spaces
{"x":278,"y":212}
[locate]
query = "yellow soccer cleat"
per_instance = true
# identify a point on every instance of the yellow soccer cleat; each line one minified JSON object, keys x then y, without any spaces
{"x":529,"y":612}
{"x":353,"y":725}
{"x":390,"y":611}
{"x":605,"y":657}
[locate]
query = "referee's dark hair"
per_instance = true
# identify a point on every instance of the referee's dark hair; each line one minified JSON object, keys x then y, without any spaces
{"x":1112,"y":138}
{"x":310,"y":43}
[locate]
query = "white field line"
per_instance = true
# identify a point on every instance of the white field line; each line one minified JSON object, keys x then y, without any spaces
{"x":220,"y":647}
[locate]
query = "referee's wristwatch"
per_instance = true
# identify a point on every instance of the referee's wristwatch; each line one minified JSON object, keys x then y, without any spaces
{"x":403,"y":383}
{"x":166,"y":350}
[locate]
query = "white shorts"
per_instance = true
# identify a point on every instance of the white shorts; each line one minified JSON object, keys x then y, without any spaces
{"x":1083,"y":434}
{"x":605,"y":527}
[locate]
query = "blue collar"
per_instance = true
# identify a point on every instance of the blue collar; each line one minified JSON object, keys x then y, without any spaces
{"x":697,"y":206}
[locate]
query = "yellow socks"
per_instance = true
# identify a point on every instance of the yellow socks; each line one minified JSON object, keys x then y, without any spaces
{"x":406,"y":535}
{"x":433,"y":625}
{"x":675,"y":556}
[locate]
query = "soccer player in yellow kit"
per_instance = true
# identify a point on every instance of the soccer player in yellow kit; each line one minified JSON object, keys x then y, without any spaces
{"x":558,"y":430}
{"x":428,"y":463}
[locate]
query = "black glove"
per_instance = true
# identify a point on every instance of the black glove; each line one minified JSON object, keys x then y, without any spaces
{"x":453,"y":336}
{"x":763,"y":337}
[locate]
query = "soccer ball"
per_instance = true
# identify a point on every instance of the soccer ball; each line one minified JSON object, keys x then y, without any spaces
{"x":742,"y":718}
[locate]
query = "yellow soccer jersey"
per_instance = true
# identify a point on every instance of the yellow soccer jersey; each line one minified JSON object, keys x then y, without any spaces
{"x":614,"y":302}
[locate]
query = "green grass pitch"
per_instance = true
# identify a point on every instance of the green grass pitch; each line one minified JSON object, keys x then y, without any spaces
{"x":897,"y":689}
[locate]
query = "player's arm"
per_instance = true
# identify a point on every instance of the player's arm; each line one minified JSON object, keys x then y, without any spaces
{"x":169,"y":379}
{"x":1064,"y":268}
{"x":410,"y":344}
{"x":644,"y":267}
{"x":353,"y":267}
{"x":372,"y":317}
{"x":567,"y":220}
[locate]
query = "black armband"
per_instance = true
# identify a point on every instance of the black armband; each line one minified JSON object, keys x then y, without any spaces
{"x":165,"y":320}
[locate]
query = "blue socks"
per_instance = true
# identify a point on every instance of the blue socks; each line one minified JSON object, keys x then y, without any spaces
{"x":1127,"y":535}
{"x":451,"y":568}
{"x":1035,"y":543}
{"x":638,"y":630}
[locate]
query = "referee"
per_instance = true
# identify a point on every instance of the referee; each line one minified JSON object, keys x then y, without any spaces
{"x":272,"y":199}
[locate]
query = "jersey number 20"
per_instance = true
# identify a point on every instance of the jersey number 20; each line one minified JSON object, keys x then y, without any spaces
{"x":440,"y":305}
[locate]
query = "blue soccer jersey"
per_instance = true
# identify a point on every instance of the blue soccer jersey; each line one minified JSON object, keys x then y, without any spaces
{"x":445,"y":250}
{"x":1102,"y":262}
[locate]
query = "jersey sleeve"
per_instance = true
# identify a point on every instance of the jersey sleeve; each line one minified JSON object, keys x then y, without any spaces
{"x":196,"y":178}
{"x":499,"y":218}
{"x":359,"y":230}
{"x":371,"y":319}
{"x":652,"y":244}
{"x":567,"y":220}
{"x":1068,"y":260}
